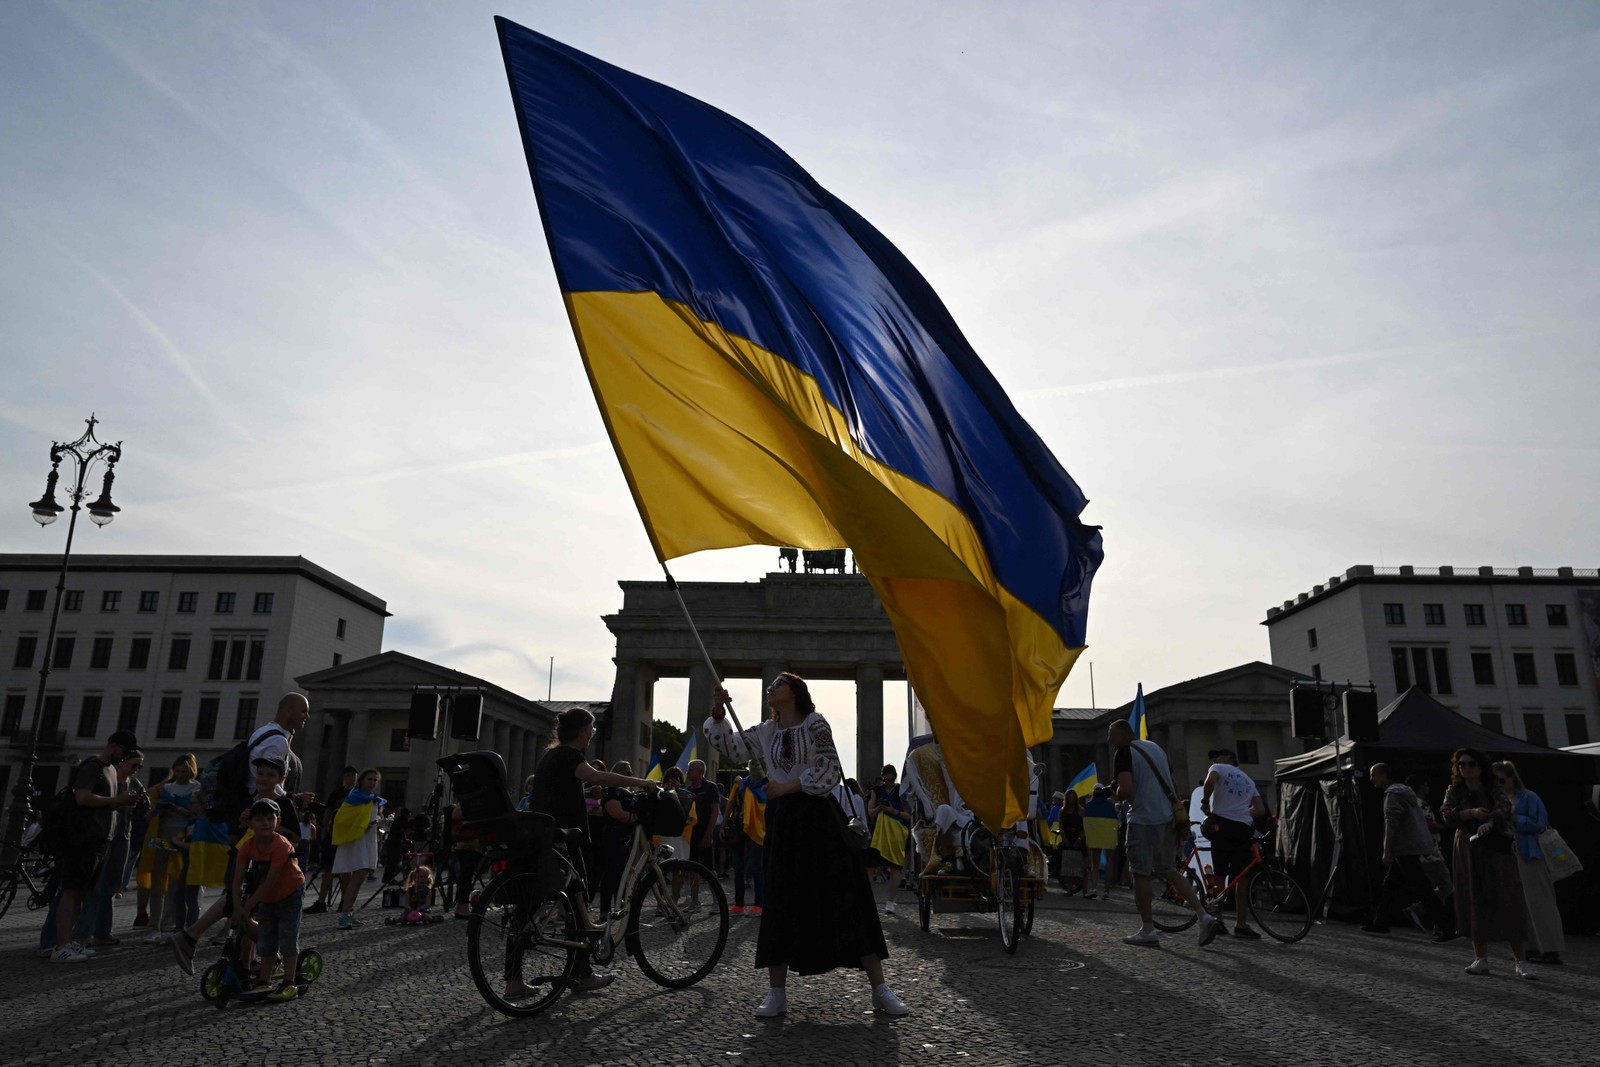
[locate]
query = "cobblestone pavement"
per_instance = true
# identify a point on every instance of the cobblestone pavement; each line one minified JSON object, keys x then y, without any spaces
{"x":1073,"y":993}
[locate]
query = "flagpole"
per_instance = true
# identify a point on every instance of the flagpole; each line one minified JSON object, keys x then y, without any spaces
{"x":716,"y":678}
{"x":1091,"y":686}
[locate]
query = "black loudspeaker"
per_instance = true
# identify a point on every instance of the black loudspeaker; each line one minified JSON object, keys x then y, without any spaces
{"x":424,"y":716}
{"x":1361,"y":716}
{"x":1305,"y":713}
{"x":465,"y":712}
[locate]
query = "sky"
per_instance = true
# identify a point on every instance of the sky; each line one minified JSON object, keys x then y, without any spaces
{"x":1286,"y":287}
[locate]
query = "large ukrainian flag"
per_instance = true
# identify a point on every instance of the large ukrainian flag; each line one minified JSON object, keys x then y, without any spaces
{"x":773,"y":371}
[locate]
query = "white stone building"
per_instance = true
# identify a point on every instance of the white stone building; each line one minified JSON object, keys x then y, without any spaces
{"x":190,"y":652}
{"x":1514,"y":649}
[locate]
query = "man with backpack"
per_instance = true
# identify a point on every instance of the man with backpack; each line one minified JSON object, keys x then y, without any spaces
{"x":80,"y":834}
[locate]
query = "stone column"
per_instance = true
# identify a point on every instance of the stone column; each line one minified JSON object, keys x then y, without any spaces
{"x":502,"y":737}
{"x":356,"y":753}
{"x":1178,"y":754}
{"x":701,"y":686}
{"x":631,"y":710}
{"x":419,"y":781}
{"x":869,"y":721}
{"x":514,"y":769}
{"x":532,"y":749}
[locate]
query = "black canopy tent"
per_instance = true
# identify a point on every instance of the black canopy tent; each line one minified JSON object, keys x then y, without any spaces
{"x":1330,"y":812}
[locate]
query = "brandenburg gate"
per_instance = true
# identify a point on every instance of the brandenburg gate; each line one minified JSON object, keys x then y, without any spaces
{"x":820,"y":626}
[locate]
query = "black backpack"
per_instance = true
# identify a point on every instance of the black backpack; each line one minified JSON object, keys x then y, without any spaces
{"x":228,"y":782}
{"x":61,"y":821}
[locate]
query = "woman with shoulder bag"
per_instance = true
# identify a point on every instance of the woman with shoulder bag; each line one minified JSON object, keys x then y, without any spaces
{"x":1546,"y":939}
{"x":890,"y":831}
{"x":1489,"y":901}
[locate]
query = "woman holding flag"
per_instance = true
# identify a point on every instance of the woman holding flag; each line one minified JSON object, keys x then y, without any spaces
{"x":819,"y":912}
{"x":355,"y":835}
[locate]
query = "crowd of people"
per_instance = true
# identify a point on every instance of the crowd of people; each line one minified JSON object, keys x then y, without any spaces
{"x":797,"y":837}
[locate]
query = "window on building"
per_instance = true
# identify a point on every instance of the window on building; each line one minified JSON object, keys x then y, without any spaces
{"x":1516,"y":614}
{"x":225,"y":603}
{"x":1533,"y":728}
{"x":1475,"y":616}
{"x":244,"y":719}
{"x":72,"y":600}
{"x":50,"y":717}
{"x":5,"y":599}
{"x":258,"y":652}
{"x":149,"y":600}
{"x":89,"y":716}
{"x":1419,"y":669}
{"x":1577,"y":729}
{"x":219,"y":659}
{"x":139,"y":653}
{"x":205,"y":723}
{"x":11,"y":718}
{"x":1441,"y":672}
{"x":1566,"y":668}
{"x":178,"y":654}
{"x":398,"y":741}
{"x":187,"y":603}
{"x":65,"y":645}
{"x":337,"y":659}
{"x":128,"y":713}
{"x":167,"y":720}
{"x":1433,"y":614}
{"x":1249,"y":752}
{"x":1316,"y":671}
{"x":1526,"y":674}
{"x":1483,"y":668}
{"x":1491,"y":720}
{"x":1311,"y":635}
{"x":1555,"y":614}
{"x":1402,"y":669}
{"x":100,"y":653}
{"x":111,"y":600}
{"x":35,"y":601}
{"x":27,"y":645}
{"x":263,"y":605}
{"x":1394,"y":614}
{"x":338,"y":631}
{"x":238,"y":648}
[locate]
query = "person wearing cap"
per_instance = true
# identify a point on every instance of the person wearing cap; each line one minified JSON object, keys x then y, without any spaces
{"x":96,"y":788}
{"x":276,"y":890}
{"x":1231,"y":803}
{"x":269,"y":786}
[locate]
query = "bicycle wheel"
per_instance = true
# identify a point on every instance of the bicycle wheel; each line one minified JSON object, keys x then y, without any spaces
{"x":308,"y":968}
{"x":1280,"y":906}
{"x":8,"y":890}
{"x":514,"y":964}
{"x":925,"y":899}
{"x":1170,"y":912}
{"x":1008,"y":901}
{"x":676,"y":943}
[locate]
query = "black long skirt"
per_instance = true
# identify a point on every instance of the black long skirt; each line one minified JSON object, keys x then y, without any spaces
{"x":819,"y":913}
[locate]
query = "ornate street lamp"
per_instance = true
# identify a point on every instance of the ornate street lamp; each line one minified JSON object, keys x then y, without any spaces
{"x":85,"y":452}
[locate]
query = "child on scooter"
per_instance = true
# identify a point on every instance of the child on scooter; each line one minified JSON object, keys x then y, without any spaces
{"x":266,"y":861}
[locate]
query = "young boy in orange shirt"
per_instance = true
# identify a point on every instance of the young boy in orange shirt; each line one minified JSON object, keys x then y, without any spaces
{"x":267,"y":863}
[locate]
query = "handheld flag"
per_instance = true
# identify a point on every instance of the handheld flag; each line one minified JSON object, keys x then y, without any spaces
{"x":771,"y":370}
{"x":690,"y":747}
{"x":654,"y":773}
{"x":1085,"y":781}
{"x":1136,"y":717}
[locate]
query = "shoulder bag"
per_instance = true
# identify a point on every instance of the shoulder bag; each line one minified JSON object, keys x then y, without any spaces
{"x":1557,"y":856}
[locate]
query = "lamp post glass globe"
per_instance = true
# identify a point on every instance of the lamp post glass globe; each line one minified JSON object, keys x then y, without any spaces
{"x":44,"y":516}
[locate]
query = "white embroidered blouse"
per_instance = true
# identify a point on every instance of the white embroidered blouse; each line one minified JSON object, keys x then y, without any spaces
{"x":803,"y":753}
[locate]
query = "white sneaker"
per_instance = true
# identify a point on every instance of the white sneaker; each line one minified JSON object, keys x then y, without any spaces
{"x":69,"y":953}
{"x":158,"y":939}
{"x":884,"y":1000}
{"x":776,"y":1004}
{"x":1147,"y":938}
{"x":1525,"y":972}
{"x":81,"y":947}
{"x":1478,"y":966}
{"x":888,"y":907}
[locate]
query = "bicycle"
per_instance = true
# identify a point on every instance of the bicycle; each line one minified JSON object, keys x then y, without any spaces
{"x":525,"y":933}
{"x":31,"y":868}
{"x":994,"y":874}
{"x":1279,"y":905}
